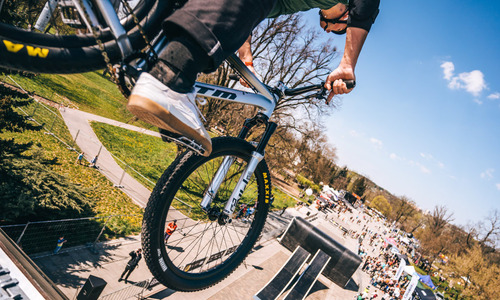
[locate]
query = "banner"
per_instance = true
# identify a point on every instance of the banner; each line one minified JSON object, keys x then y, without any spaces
{"x":402,"y":265}
{"x":411,"y":286}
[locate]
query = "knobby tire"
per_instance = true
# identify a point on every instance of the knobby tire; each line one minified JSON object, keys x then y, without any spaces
{"x":200,"y":253}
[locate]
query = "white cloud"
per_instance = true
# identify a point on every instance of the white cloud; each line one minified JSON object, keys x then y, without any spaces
{"x":426,"y":156}
{"x":488,"y":174}
{"x":472,"y":82}
{"x":430,"y":157}
{"x":448,"y":69}
{"x":498,"y":186}
{"x":478,"y":101}
{"x":494,"y":96}
{"x":394,"y":156}
{"x":377,"y":143}
{"x":421,"y":167}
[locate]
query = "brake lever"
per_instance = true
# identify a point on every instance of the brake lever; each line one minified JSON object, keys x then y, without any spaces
{"x":320,"y":95}
{"x":350,"y":84}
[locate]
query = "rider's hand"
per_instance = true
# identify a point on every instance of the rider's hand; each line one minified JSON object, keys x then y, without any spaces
{"x":242,"y":81}
{"x":335,"y":84}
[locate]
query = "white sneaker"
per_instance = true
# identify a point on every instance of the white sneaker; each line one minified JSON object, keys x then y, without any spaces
{"x":155,"y":103}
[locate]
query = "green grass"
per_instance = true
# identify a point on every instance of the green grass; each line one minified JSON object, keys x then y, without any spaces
{"x":146,"y":154}
{"x":90,"y":92}
{"x":106,"y":199}
{"x":282,"y":200}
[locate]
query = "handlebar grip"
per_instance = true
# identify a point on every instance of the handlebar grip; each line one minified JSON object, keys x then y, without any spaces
{"x":234,"y":77}
{"x":350,"y":84}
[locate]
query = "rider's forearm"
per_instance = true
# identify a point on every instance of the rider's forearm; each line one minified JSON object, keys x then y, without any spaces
{"x":355,"y":38}
{"x":245,"y":51}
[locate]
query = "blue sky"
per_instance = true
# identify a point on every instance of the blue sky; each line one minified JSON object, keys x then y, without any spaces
{"x":424,"y":120}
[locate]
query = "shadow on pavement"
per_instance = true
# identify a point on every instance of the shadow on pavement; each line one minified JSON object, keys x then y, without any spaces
{"x":71,"y":268}
{"x":352,"y":286}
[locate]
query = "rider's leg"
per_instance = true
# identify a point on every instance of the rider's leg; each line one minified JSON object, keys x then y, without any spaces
{"x":205,"y":33}
{"x":179,"y":63}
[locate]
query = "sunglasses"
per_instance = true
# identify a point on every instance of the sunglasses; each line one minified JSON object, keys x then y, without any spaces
{"x":334,"y":21}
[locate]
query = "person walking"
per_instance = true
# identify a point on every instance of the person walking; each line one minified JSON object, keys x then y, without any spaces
{"x":93,"y":162}
{"x":60,"y":243}
{"x":135,"y":257}
{"x":171,"y":227}
{"x":79,"y":158}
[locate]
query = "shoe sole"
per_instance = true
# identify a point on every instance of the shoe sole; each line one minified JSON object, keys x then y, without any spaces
{"x":151,"y":112}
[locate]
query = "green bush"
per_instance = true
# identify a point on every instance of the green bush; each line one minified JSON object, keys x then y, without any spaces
{"x":306,"y":182}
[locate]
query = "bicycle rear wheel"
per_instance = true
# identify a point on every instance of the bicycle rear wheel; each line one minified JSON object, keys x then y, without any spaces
{"x":63,"y":48}
{"x":201,"y":252}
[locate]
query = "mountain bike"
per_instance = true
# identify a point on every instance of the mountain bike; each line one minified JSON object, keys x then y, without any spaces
{"x":220,"y":202}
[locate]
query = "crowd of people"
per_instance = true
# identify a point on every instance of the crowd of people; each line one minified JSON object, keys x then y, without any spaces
{"x":379,"y":262}
{"x":383,"y":284}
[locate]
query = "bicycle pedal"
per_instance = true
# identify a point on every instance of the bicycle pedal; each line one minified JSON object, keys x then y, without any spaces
{"x":168,"y":136}
{"x":70,"y":15}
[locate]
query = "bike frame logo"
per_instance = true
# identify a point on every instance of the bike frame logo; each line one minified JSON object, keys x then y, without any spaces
{"x":215,"y":92}
{"x":32,"y":51}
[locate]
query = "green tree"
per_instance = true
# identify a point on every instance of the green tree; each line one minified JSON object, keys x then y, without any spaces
{"x":381,"y":204}
{"x":359,"y":186}
{"x":29,"y":189}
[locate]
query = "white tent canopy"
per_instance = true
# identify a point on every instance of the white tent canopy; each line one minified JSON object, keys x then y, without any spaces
{"x":409,"y":270}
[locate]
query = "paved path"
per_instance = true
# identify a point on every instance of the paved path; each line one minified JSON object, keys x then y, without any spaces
{"x":78,"y":123}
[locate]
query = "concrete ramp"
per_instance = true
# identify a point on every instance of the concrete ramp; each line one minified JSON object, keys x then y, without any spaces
{"x":343,"y":262}
{"x":277,"y":285}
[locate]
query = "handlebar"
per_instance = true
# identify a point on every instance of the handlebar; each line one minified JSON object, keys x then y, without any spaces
{"x":294,"y":92}
{"x":350,"y":84}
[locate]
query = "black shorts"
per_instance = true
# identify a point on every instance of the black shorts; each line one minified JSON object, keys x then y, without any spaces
{"x":219,"y":26}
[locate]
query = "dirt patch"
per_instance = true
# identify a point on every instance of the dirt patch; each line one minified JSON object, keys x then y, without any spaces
{"x":288,"y":186}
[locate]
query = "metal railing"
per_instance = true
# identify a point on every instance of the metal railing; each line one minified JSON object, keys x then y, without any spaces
{"x":135,"y":290}
{"x":40,"y":238}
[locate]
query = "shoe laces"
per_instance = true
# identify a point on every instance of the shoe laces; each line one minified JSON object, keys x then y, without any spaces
{"x":200,"y":101}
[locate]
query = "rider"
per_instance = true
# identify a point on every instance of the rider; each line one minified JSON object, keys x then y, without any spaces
{"x":203,"y":33}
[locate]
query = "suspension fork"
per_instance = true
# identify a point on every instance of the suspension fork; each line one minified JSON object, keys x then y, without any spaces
{"x":226,"y":164}
{"x":221,"y":173}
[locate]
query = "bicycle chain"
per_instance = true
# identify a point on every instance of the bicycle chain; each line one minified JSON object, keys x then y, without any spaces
{"x":104,"y":53}
{"x":94,"y":31}
{"x":138,"y":24}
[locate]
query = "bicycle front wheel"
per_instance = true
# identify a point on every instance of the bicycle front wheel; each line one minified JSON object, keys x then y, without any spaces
{"x":63,"y":46}
{"x":200,"y":252}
